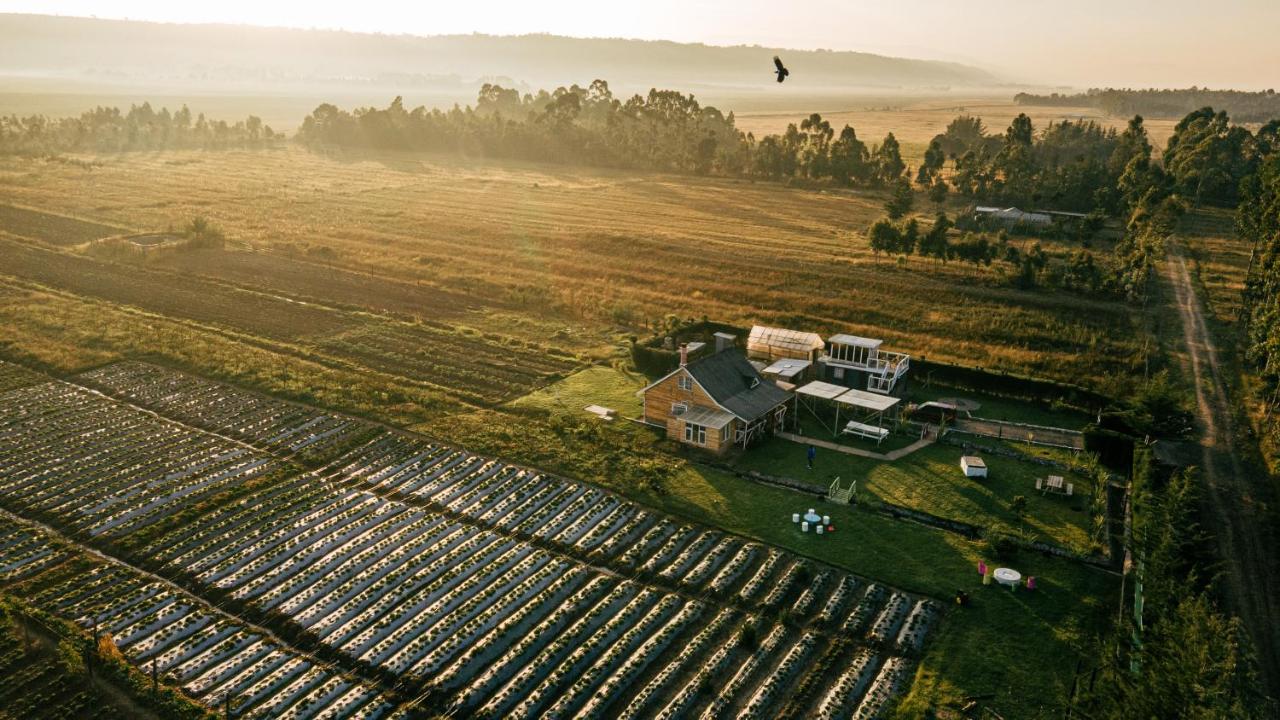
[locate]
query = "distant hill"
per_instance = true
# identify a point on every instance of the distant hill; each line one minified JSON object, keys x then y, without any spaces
{"x":243,"y":59}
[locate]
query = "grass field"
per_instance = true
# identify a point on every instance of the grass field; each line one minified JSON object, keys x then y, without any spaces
{"x":1020,"y":647}
{"x":1221,"y":259}
{"x":564,"y":258}
{"x":930,"y":480}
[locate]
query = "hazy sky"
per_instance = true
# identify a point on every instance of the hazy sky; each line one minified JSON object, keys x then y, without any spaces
{"x":1081,"y":42}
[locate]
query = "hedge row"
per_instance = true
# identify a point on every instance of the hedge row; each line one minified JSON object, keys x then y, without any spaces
{"x":997,"y":382}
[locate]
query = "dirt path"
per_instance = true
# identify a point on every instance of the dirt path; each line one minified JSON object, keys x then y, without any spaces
{"x":1251,"y":580}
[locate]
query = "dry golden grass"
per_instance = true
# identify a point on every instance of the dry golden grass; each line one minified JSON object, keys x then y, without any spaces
{"x":569,"y":258}
{"x":1221,"y":259}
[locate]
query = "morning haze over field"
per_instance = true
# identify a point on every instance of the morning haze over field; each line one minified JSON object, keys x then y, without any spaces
{"x":676,"y":360}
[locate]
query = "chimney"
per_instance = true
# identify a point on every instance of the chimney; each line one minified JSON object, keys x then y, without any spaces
{"x":684,"y":354}
{"x":724,"y":341}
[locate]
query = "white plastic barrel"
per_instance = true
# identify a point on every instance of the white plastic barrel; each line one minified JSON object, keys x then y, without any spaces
{"x":804,"y":526}
{"x":795,"y":517}
{"x":826,"y":519}
{"x":819,"y":529}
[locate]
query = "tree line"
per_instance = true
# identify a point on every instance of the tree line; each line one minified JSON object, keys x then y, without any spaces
{"x":108,"y":130}
{"x":665,"y":130}
{"x":1175,"y":654}
{"x":1249,"y":107}
{"x":1258,"y":224}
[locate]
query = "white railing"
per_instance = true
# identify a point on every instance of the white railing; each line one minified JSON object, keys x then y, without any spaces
{"x":890,"y":367}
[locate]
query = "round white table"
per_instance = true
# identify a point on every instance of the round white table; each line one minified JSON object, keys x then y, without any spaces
{"x":1007,"y":576}
{"x":812,"y":518}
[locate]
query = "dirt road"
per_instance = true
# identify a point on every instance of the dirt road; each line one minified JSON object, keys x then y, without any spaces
{"x":1251,"y":579}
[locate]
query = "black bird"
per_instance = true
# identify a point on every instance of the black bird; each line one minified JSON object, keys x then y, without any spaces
{"x":782,"y":72}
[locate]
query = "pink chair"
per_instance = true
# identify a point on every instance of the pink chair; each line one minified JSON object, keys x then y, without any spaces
{"x":1031,"y":582}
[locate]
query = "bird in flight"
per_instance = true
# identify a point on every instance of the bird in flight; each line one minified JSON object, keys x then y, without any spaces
{"x":782,"y":72}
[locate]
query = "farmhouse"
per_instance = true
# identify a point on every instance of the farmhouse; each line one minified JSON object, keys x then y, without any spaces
{"x":716,"y":402}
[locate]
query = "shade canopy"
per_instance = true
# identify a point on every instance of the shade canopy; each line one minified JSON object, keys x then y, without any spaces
{"x":867,"y":400}
{"x":822,"y":390}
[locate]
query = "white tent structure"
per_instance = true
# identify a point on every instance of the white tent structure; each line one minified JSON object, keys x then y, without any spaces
{"x":862,"y":405}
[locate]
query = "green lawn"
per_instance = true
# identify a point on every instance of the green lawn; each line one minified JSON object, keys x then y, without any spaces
{"x":1022,"y":646}
{"x":930,"y":480}
{"x":596,"y":385}
{"x":998,"y":408}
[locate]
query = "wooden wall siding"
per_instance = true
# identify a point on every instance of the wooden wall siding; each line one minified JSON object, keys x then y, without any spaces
{"x":675,"y":431}
{"x":658,"y":400}
{"x":657,"y":409}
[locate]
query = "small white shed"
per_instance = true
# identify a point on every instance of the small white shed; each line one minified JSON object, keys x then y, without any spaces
{"x":973,"y":466}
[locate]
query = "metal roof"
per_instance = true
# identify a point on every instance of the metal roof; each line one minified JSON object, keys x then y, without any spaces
{"x":823,"y":390}
{"x":783,"y":338}
{"x":706,"y":417}
{"x":787,"y":367}
{"x":855,"y":340}
{"x":868,"y":400}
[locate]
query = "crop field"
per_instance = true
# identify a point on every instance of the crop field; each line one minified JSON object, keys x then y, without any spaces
{"x":51,"y":228}
{"x":565,"y":260}
{"x":165,"y":630}
{"x":493,"y":589}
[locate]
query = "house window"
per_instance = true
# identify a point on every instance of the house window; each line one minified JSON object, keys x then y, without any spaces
{"x":724,"y":433}
{"x":696,"y":434}
{"x":837,"y":373}
{"x":686,"y":382}
{"x":679,"y":408}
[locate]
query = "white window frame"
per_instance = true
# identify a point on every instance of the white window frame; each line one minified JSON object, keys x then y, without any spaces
{"x":685,"y":382}
{"x":679,"y":408}
{"x":695,"y":434}
{"x":724,"y":433}
{"x":837,"y":373}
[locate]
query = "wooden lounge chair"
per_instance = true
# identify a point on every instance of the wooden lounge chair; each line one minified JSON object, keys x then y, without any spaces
{"x":1055,"y":484}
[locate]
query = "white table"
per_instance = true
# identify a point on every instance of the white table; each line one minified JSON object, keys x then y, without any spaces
{"x":812,"y":518}
{"x":1007,"y":576}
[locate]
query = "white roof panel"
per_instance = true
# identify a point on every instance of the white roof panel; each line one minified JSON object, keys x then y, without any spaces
{"x":868,"y":400}
{"x":855,"y":340}
{"x":823,"y":390}
{"x":706,"y":417}
{"x":787,"y":367}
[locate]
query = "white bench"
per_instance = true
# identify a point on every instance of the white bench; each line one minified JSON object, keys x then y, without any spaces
{"x":867,"y":431}
{"x":603,"y":413}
